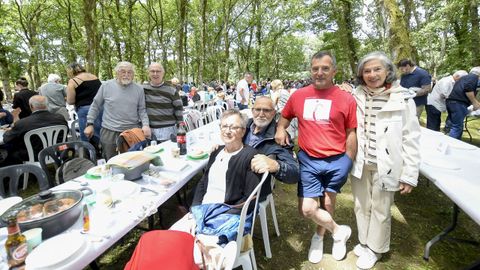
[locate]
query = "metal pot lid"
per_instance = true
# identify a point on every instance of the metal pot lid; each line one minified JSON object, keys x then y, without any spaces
{"x":44,"y":204}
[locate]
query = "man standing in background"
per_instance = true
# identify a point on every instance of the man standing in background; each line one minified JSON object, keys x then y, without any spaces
{"x":242,"y":93}
{"x":436,"y":99}
{"x":416,"y":79}
{"x":163,"y":102}
{"x":123,"y":103}
{"x":55,"y":94}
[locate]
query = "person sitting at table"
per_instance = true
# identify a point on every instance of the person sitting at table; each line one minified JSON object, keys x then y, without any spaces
{"x":226,"y":184}
{"x":388,"y":156}
{"x":228,"y":178}
{"x":6,"y":118}
{"x":40,"y":117}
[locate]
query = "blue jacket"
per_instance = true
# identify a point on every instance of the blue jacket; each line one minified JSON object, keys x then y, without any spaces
{"x":289,"y":171}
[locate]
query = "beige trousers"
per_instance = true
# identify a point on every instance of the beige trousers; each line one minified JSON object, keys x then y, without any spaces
{"x":372,"y":211}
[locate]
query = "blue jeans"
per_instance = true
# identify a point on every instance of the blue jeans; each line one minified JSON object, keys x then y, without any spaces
{"x":433,"y":118}
{"x":82,"y":113}
{"x":457,"y":112}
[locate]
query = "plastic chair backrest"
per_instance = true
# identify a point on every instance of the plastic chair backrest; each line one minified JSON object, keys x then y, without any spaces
{"x":243,"y":214}
{"x":48,"y":136}
{"x":214,"y":113}
{"x":82,"y":149}
{"x":73,"y":130}
{"x":14,"y":173}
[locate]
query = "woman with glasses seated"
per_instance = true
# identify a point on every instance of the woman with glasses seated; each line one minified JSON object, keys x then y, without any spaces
{"x":228,"y":178}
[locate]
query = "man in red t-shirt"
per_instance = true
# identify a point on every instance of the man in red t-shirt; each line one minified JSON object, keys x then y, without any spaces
{"x":328,"y":144}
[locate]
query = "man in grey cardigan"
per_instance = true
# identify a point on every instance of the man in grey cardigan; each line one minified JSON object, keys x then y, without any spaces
{"x":123,"y":104}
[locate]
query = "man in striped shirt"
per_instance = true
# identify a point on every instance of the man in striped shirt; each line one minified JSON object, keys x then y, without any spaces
{"x":164,"y":105}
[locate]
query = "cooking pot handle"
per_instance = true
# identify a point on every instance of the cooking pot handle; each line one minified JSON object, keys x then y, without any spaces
{"x":86,"y":190}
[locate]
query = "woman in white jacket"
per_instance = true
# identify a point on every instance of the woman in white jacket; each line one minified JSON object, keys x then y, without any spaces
{"x":388,"y":155}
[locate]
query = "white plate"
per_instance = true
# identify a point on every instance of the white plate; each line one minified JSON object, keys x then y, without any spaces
{"x":124,"y":189}
{"x":96,"y":171}
{"x":6,"y":203}
{"x":153,"y":149}
{"x":54,"y":252}
{"x":440,"y":163}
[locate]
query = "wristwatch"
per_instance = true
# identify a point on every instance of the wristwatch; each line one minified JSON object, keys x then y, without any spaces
{"x":89,"y":124}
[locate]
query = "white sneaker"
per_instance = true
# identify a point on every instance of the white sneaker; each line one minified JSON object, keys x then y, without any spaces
{"x":368,"y":259}
{"x":315,"y":253}
{"x":340,"y":238}
{"x":359,"y":249}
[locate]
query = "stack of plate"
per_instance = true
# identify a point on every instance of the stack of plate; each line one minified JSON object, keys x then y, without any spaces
{"x":56,"y":251}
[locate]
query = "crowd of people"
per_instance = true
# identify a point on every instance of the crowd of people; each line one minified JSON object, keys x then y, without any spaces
{"x":369,"y":131}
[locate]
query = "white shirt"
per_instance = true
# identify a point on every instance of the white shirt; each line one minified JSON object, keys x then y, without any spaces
{"x":242,"y":84}
{"x":217,"y":183}
{"x":440,"y":93}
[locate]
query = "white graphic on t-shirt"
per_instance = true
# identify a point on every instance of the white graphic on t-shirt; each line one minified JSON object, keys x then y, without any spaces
{"x":317,"y":109}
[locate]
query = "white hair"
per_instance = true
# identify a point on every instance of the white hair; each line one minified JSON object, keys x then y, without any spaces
{"x":460,"y":73}
{"x":124,"y":64}
{"x":53,"y":78}
{"x":475,"y":70}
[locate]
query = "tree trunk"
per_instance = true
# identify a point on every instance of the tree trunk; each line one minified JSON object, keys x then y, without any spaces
{"x":475,"y":33}
{"x":203,"y":39}
{"x":91,"y":34}
{"x":399,"y":44}
{"x":258,"y":36}
{"x":5,"y":71}
{"x":345,"y":27}
{"x":182,"y":9}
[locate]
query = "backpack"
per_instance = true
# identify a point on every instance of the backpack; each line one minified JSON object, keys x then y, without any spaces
{"x":72,"y":167}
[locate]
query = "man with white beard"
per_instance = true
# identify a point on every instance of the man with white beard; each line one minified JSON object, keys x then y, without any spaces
{"x":123,"y":103}
{"x":274,"y":158}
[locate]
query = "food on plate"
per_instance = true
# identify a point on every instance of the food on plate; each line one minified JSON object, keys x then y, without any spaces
{"x":40,"y":210}
{"x":152,"y":148}
{"x":197,"y":154}
{"x":96,"y":171}
{"x":158,"y":177}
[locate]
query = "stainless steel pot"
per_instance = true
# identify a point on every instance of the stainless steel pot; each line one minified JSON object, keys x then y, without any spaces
{"x":53,"y":211}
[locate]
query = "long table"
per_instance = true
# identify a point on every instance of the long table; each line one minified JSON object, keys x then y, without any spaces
{"x":452,"y":165}
{"x":110,"y":225}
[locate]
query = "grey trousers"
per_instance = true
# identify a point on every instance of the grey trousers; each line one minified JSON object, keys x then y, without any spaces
{"x":108,"y":139}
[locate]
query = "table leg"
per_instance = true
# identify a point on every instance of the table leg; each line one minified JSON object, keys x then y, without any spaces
{"x":444,"y":234}
{"x":441,"y":235}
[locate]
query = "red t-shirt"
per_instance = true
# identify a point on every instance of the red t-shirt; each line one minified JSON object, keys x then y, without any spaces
{"x":323,"y":118}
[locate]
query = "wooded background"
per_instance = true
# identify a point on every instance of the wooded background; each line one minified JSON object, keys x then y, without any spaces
{"x":203,"y":40}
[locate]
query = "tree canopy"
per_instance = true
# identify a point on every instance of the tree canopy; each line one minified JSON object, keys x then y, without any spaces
{"x":203,"y":40}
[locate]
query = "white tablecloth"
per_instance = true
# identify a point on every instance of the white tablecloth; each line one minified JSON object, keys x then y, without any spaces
{"x":459,"y":178}
{"x":113,"y":224}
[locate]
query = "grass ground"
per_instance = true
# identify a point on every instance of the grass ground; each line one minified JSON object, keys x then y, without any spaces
{"x":416,"y":219}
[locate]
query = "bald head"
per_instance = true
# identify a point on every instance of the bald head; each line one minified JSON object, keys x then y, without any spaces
{"x":37,"y":103}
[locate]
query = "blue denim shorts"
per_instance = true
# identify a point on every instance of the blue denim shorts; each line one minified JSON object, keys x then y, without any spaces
{"x":318,"y":175}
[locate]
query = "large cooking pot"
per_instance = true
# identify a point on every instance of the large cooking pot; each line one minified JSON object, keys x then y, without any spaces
{"x":53,"y":211}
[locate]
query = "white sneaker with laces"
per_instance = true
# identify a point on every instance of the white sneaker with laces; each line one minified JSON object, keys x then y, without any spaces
{"x":368,"y":259}
{"x":359,"y":249}
{"x":340,"y":238}
{"x":315,"y":253}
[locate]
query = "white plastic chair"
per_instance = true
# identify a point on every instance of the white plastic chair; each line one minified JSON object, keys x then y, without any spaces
{"x":73,"y":131}
{"x":48,"y":136}
{"x":227,"y":257}
{"x":247,"y":259}
{"x":214,"y":113}
{"x":262,"y":213}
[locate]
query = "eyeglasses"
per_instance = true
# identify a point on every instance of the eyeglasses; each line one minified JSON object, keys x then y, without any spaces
{"x":155,"y":71}
{"x":259,"y":110}
{"x":232,"y":128}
